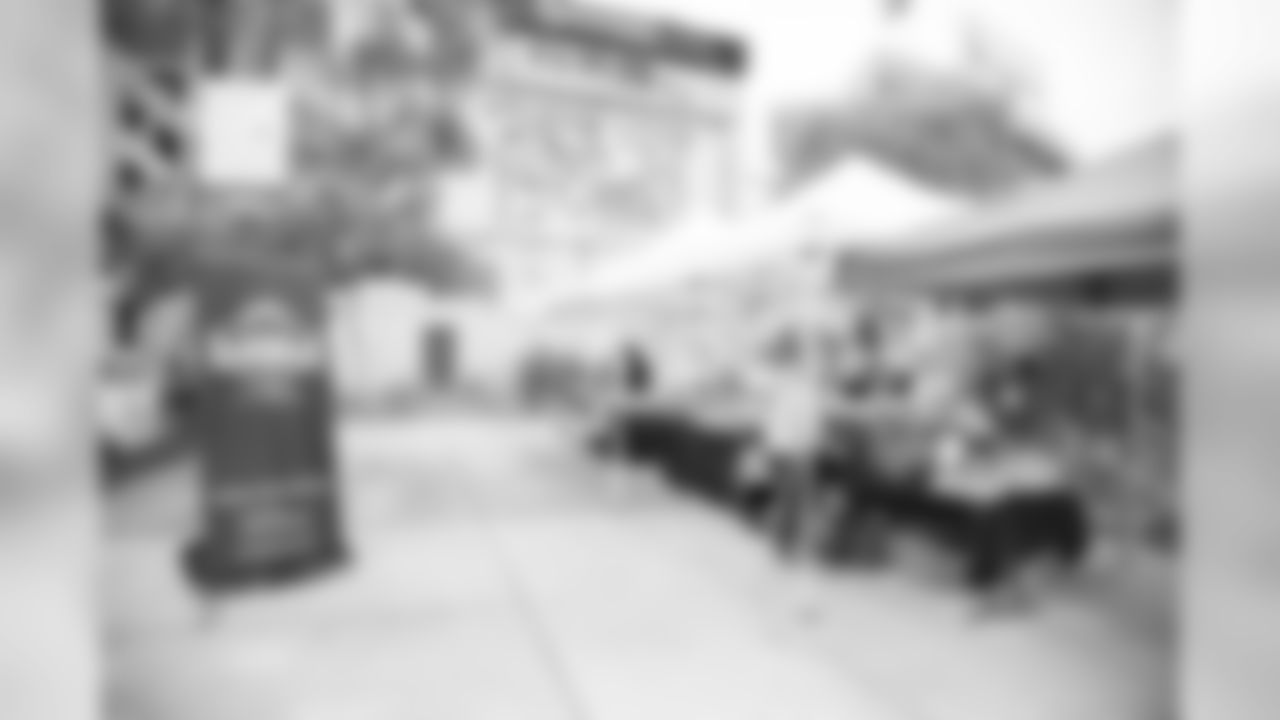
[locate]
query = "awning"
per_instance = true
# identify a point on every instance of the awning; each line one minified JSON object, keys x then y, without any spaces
{"x":1120,"y":215}
{"x":858,"y":203}
{"x":1141,"y":250}
{"x":1119,"y":218}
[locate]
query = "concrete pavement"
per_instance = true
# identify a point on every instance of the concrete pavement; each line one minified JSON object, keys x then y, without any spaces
{"x":501,"y":575}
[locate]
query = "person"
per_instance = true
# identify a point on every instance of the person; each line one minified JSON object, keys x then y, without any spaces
{"x":1009,"y":506}
{"x":803,"y":507}
{"x":795,"y":407}
{"x":637,"y":371}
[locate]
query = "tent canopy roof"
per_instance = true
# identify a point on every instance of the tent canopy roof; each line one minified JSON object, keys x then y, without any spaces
{"x":1120,"y":217}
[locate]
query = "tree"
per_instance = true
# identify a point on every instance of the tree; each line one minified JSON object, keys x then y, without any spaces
{"x":958,"y":132}
{"x":317,"y":238}
{"x":412,"y":39}
{"x":169,"y":31}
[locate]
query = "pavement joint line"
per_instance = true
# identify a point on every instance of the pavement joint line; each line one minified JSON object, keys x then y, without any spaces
{"x":555,"y":663}
{"x":866,"y":679}
{"x":889,"y":700}
{"x":886,"y":698}
{"x":499,"y":522}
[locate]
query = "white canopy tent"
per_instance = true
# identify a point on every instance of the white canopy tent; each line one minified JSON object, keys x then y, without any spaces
{"x":891,"y":233}
{"x":1119,"y":217}
{"x":859,"y":202}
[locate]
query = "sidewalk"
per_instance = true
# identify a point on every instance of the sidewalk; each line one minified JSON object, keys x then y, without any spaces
{"x":1092,"y":654}
{"x":500,"y":576}
{"x":482,"y":590}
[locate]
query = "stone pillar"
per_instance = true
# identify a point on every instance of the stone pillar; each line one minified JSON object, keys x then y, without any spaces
{"x":50,"y":171}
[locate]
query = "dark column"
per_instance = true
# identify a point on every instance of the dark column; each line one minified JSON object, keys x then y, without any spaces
{"x":441,"y":354}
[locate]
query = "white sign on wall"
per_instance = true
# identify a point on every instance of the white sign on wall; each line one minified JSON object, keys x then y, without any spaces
{"x":243,"y":132}
{"x":465,"y":205}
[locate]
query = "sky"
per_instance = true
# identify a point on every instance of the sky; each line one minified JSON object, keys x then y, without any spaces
{"x":1106,"y":67}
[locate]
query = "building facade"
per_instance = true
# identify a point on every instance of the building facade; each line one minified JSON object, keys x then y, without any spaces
{"x":592,"y":132}
{"x":583,"y":134}
{"x":537,"y":136}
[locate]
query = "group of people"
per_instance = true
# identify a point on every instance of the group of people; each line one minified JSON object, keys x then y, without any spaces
{"x":854,"y":446}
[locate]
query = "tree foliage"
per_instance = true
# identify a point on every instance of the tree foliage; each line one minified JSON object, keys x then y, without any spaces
{"x":937,"y":130}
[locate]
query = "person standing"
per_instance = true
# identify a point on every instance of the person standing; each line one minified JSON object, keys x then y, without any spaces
{"x":1013,"y":506}
{"x":637,"y":371}
{"x":795,"y":406}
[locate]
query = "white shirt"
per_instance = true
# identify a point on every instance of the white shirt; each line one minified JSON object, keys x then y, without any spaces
{"x":794,"y":416}
{"x":958,"y":474}
{"x":791,"y":423}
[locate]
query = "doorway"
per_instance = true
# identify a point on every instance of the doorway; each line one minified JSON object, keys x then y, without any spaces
{"x":441,"y":356}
